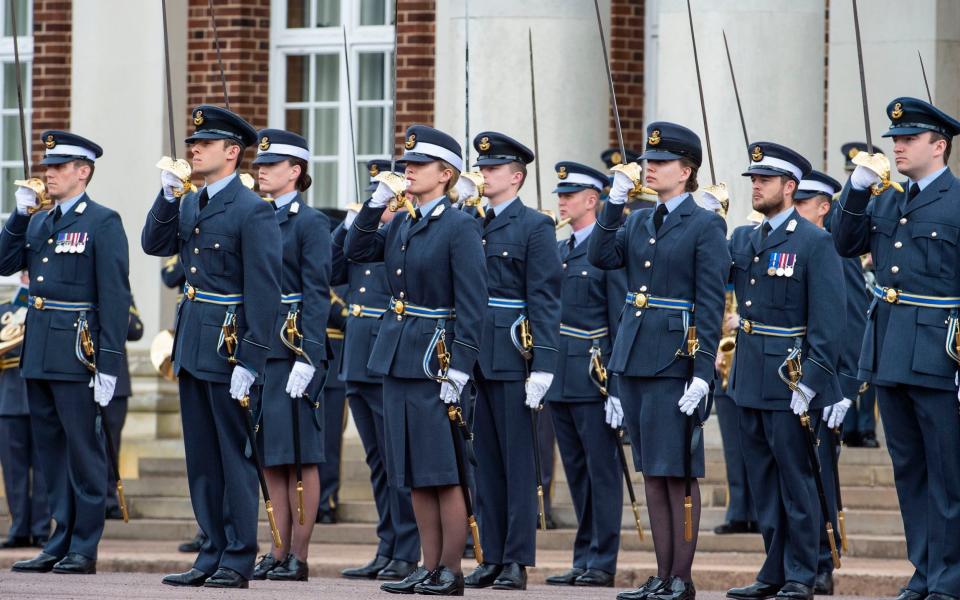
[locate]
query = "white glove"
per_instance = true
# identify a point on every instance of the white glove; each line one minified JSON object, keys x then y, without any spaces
{"x":834,"y":414}
{"x":614,"y":412}
{"x":620,"y":188}
{"x":171,"y":184}
{"x":466,"y":189}
{"x":537,"y":386}
{"x":349,"y":219}
{"x":103,"y":386}
{"x":693,"y":393}
{"x":299,"y":379}
{"x":26,"y":198}
{"x":800,"y":403}
{"x":240,"y":382}
{"x":450,"y":394}
{"x":862,"y":178}
{"x":381,"y":196}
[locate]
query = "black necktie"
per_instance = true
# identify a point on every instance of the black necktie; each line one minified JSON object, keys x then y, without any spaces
{"x":765,"y":230}
{"x":57,"y":213}
{"x":416,"y":214}
{"x":659,"y":216}
{"x":914,"y":192}
{"x":204,"y":198}
{"x":570,"y":245}
{"x":490,"y":216}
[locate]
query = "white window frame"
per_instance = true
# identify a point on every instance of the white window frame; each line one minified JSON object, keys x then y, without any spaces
{"x":329,"y":40}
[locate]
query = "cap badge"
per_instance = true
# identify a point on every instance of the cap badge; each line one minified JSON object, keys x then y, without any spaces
{"x":198,"y":118}
{"x":484,"y":144}
{"x":264,"y":143}
{"x":616,"y":158}
{"x":654,"y":138}
{"x":411,"y":141}
{"x":757,"y":154}
{"x":853,"y":152}
{"x":897,"y":111}
{"x":374,"y":170}
{"x":50,"y":142}
{"x":562,"y":173}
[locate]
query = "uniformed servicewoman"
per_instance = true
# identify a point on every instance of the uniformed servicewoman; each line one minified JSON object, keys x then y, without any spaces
{"x":293,"y":380}
{"x":19,"y":454}
{"x":368,"y":295}
{"x":230,"y":246}
{"x":585,"y":418}
{"x":435,"y":271}
{"x":77,"y":258}
{"x":789,"y":285}
{"x":913,"y":237}
{"x":676,"y":261}
{"x":523,"y":277}
{"x":813,"y":201}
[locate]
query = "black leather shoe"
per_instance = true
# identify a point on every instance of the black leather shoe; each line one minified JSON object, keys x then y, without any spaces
{"x":16,"y":542}
{"x":326,"y":517}
{"x":192,"y":578}
{"x":852,"y":439}
{"x":396,"y":570}
{"x":227,"y":578}
{"x":194,"y":545}
{"x":823,"y":586}
{"x":753,"y":527}
{"x":291,"y":569}
{"x":676,"y":589}
{"x":652,"y":586}
{"x":442,"y":582}
{"x":869,"y":440}
{"x":732,"y":527}
{"x":595,"y":578}
{"x":908,"y":594}
{"x":795,"y":591}
{"x":113,"y":513}
{"x":483,"y":576}
{"x":939,"y":596}
{"x":75,"y":564}
{"x":367,"y":571}
{"x":512,"y":577}
{"x":757,"y":590}
{"x":409,"y":582}
{"x":41,"y":563}
{"x":565,"y":578}
{"x":267,"y":563}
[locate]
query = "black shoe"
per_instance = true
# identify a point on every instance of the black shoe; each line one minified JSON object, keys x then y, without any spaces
{"x":483,"y":576}
{"x":442,"y":582}
{"x":327,"y":517}
{"x":939,"y":596}
{"x":595,"y":578}
{"x":732,"y":527}
{"x":796,"y":591}
{"x":192,"y":578}
{"x":852,"y":439}
{"x":869,"y":440}
{"x":113,"y":513}
{"x":291,"y":569}
{"x":469,"y":552}
{"x":76,"y":564}
{"x":676,"y":589}
{"x":753,"y":527}
{"x":367,"y":571}
{"x":512,"y":577}
{"x":396,"y":570}
{"x":908,"y":594}
{"x":565,"y":578}
{"x":227,"y":578}
{"x":41,"y":563}
{"x":409,"y":582}
{"x":548,"y":519}
{"x":652,"y":586}
{"x":194,"y":545}
{"x":823,"y":585}
{"x":16,"y":542}
{"x":757,"y":590}
{"x":267,"y":563}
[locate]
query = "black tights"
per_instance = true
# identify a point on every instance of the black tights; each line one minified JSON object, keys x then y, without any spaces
{"x":441,"y":519}
{"x":665,"y":497}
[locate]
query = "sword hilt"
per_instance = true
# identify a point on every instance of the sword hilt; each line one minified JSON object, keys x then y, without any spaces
{"x":300,"y":502}
{"x":833,"y":546}
{"x":688,"y":519}
{"x":543,"y":512}
{"x":475,"y":535}
{"x":636,"y":519}
{"x":122,"y":499}
{"x":273,"y":524}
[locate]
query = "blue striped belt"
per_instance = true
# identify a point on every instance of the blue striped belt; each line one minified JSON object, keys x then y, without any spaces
{"x":358,"y":310}
{"x":641,"y":300}
{"x":291,"y":298}
{"x":406,"y":308}
{"x":583,"y":334}
{"x":40,"y":303}
{"x":754,"y":328}
{"x":194,"y":295}
{"x":506,"y":303}
{"x":895,"y":296}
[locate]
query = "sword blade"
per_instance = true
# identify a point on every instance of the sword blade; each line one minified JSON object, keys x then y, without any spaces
{"x":166,"y":64}
{"x":533,"y":103}
{"x":613,"y":93}
{"x":353,"y":137}
{"x":925,"y":82}
{"x":23,"y":121}
{"x":703,"y":109}
{"x":863,"y":81}
{"x":466,"y":84}
{"x":393,"y":113}
{"x":736,"y":92}
{"x":216,"y":44}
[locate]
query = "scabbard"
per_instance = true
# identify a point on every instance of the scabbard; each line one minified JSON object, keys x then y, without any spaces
{"x":113,"y":463}
{"x":688,"y":478}
{"x":456,"y":435}
{"x":298,"y":465}
{"x":841,"y":519}
{"x":535,"y":432}
{"x":258,"y":464}
{"x":626,"y":477}
{"x":811,"y":446}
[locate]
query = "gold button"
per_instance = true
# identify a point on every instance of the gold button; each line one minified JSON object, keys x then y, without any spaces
{"x":363,"y":290}
{"x":647,"y":263}
{"x":196,"y":230}
{"x":196,"y":250}
{"x":399,"y":271}
{"x":193,"y":269}
{"x":756,"y":259}
{"x":367,"y":272}
{"x":748,"y":303}
{"x":753,"y":281}
{"x":40,"y":278}
{"x":903,"y":220}
{"x":898,"y":245}
{"x":643,"y":288}
{"x":216,"y":245}
{"x":894,"y":269}
{"x":45,"y":259}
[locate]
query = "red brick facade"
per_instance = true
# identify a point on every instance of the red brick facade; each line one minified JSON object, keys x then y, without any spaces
{"x":416,"y":65}
{"x":626,"y":64}
{"x":52,"y":41}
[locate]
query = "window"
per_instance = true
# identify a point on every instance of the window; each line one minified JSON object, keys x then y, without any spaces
{"x":308,"y":87}
{"x":11,"y":162}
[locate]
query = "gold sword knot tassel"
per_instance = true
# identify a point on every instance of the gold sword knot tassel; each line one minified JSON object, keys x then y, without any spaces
{"x":879,"y":164}
{"x":398,"y":186}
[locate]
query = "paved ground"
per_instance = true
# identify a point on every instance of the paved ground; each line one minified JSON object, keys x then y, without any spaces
{"x":106,"y":586}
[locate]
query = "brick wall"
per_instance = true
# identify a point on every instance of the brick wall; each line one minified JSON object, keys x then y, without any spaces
{"x":626,"y":64}
{"x":52,"y":40}
{"x":416,"y":66}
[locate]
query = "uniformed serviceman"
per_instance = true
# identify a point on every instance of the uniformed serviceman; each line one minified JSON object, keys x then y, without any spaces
{"x":676,"y":261}
{"x":813,"y":201}
{"x":229,"y":243}
{"x":585,"y":417}
{"x":789,"y":285}
{"x":23,"y":482}
{"x":296,"y":367}
{"x":910,"y":348}
{"x":435,"y":272}
{"x":523,"y":277}
{"x":77,"y":258}
{"x":368,"y":295}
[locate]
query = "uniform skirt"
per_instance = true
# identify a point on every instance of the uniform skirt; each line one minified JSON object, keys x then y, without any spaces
{"x":419,"y":442}
{"x":657,"y":427}
{"x":276,"y":420}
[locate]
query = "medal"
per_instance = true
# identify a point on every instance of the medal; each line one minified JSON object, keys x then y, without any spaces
{"x":61,"y":238}
{"x":82,"y":242}
{"x":783,"y":260}
{"x":788,"y":270}
{"x":771,"y":269}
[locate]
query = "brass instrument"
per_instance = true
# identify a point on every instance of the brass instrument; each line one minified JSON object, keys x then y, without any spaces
{"x":728,"y":341}
{"x":180,"y":168}
{"x":44,"y":201}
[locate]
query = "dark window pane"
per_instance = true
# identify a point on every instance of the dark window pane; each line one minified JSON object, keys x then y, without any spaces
{"x":298,"y":13}
{"x":298,"y":77}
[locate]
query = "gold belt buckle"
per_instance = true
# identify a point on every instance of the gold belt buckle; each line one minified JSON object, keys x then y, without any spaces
{"x":640,"y":300}
{"x":891,"y":295}
{"x":38,"y":303}
{"x":399,"y":307}
{"x":746,"y":326}
{"x":191,"y":292}
{"x":356,"y":309}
